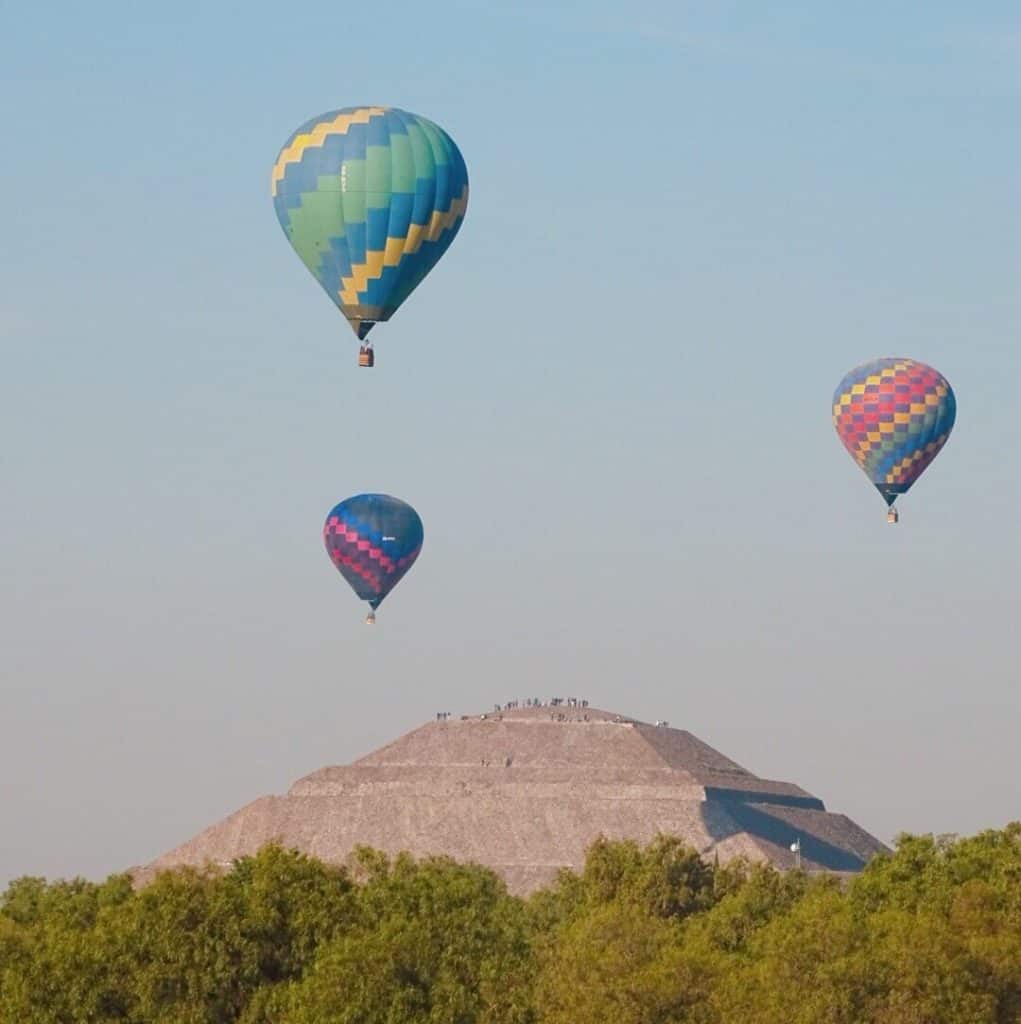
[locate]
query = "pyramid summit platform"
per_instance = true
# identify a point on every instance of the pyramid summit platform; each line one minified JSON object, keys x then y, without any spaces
{"x":525,"y":790}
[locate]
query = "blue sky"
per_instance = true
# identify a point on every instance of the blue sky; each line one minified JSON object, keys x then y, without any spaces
{"x":609,"y":402}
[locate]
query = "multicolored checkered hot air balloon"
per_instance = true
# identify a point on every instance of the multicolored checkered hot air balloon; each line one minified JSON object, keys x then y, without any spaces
{"x":373,"y":539}
{"x":370,"y":198}
{"x":894,"y":416}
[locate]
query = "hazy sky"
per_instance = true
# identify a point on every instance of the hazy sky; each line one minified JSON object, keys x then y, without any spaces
{"x":609,"y":402}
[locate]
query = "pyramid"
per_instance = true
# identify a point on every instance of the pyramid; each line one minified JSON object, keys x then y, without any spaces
{"x":525,"y":790}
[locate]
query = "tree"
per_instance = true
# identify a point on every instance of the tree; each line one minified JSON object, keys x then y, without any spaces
{"x":616,"y":963}
{"x":437,"y":942}
{"x":667,"y":878}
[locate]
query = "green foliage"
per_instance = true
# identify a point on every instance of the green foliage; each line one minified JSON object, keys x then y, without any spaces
{"x":189,"y":948}
{"x":928,"y":933}
{"x":750,"y":898}
{"x":437,"y":942}
{"x":616,"y":963}
{"x":665,"y":879}
{"x":928,"y":871}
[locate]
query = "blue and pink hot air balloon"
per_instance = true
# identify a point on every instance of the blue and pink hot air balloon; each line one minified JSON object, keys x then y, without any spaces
{"x":373,"y":540}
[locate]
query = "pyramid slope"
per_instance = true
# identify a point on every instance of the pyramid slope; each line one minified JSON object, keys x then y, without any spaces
{"x":537,"y":736}
{"x":526,"y":791}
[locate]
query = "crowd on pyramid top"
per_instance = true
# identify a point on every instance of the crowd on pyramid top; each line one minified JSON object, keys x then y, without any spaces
{"x":527,"y":702}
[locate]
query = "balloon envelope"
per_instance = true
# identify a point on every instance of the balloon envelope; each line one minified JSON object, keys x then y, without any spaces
{"x":894,"y":415}
{"x":370,"y":198}
{"x":373,"y":539}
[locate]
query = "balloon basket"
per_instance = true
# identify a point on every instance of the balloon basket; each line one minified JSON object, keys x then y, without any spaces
{"x":370,"y":619}
{"x":892,"y":516}
{"x":366,"y":356}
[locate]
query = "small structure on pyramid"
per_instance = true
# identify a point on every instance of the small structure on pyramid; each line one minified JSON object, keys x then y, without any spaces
{"x":526,"y":789}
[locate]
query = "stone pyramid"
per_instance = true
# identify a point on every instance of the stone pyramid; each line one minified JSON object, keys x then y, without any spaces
{"x":526,"y":789}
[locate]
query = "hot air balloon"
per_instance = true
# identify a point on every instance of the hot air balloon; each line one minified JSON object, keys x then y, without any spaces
{"x":370,"y":198}
{"x":894,"y":415}
{"x":373,"y":539}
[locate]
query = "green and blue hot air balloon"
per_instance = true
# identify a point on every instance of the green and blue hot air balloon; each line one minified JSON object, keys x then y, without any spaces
{"x":370,"y":198}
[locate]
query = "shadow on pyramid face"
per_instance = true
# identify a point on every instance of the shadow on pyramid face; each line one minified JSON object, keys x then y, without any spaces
{"x":778,"y":825}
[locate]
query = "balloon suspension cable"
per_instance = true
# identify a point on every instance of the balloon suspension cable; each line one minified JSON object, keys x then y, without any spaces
{"x":370,"y":619}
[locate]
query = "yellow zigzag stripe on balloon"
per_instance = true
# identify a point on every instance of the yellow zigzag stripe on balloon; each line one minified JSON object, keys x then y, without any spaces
{"x":397,"y":248}
{"x":876,"y":437}
{"x":887,"y":373}
{"x":917,"y":408}
{"x":874,"y":379}
{"x":896,"y":474}
{"x":338,"y":126}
